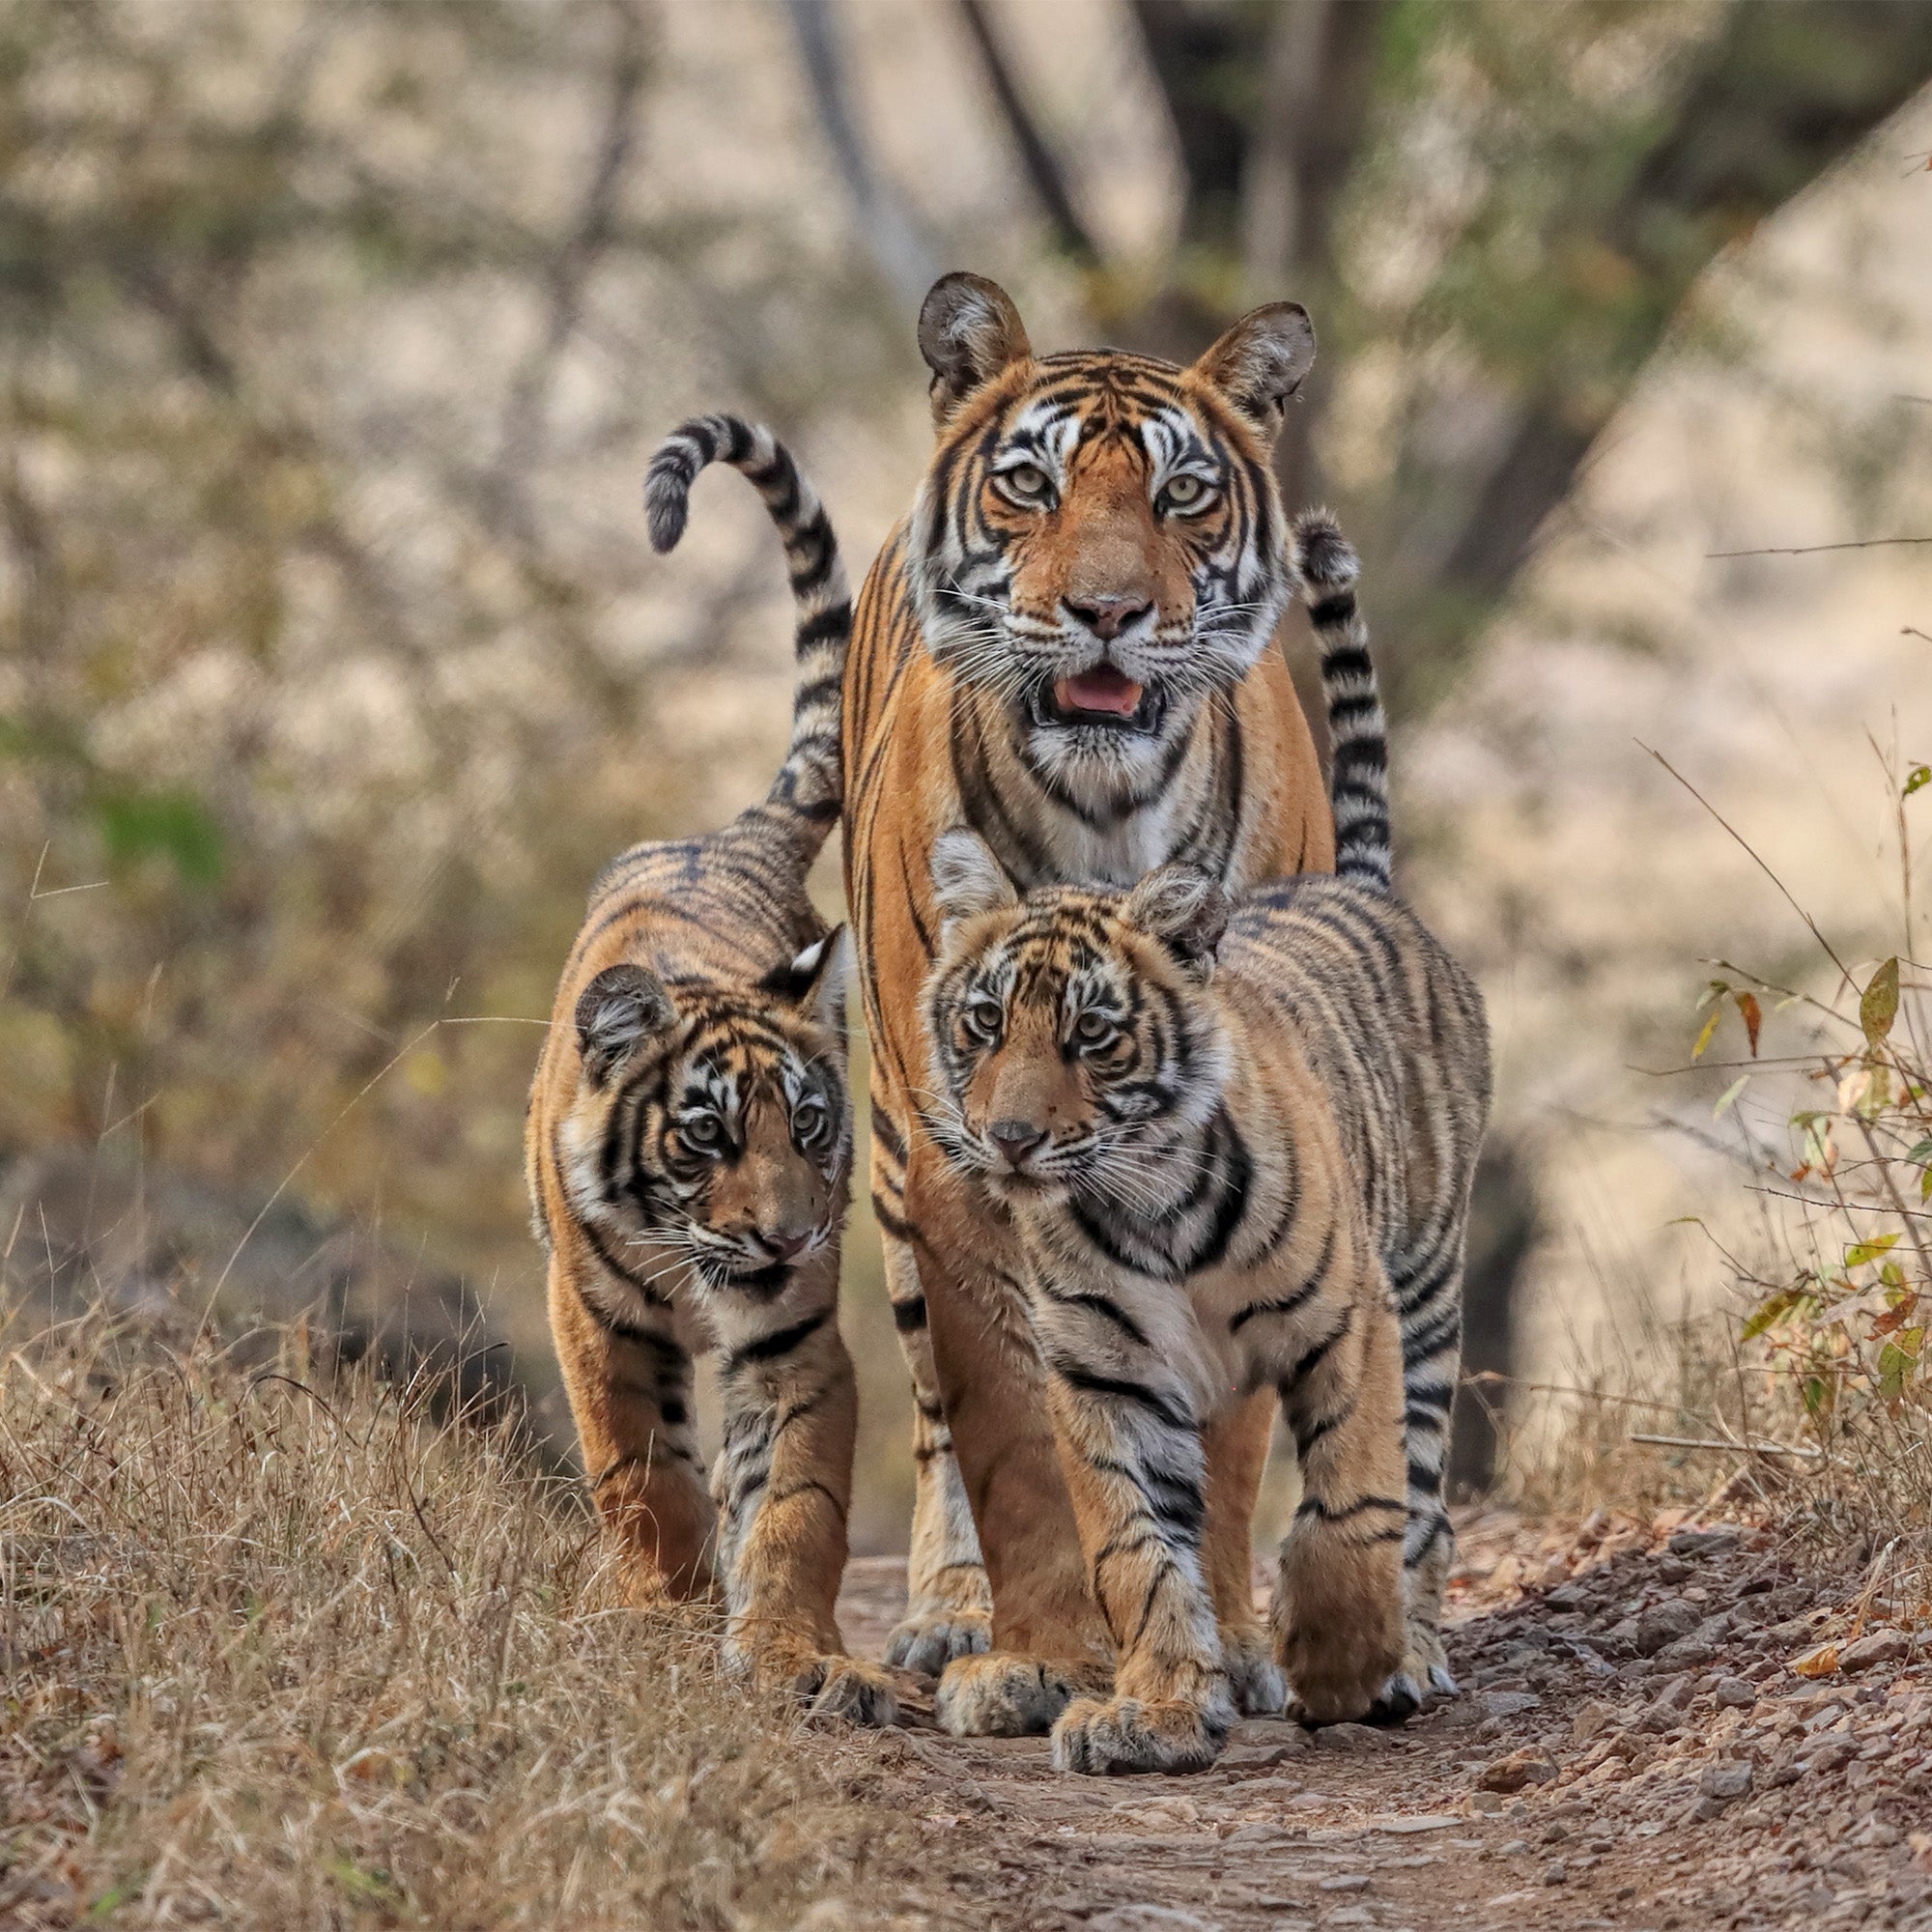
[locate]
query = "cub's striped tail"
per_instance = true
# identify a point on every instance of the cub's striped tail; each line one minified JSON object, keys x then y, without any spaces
{"x":809,"y":784}
{"x":1357,"y":730}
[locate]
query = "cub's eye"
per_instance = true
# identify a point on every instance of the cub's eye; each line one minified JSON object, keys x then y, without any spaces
{"x":982,"y":1019}
{"x":702,"y":1133}
{"x":811,"y":1123}
{"x":1094,"y":1029}
{"x":1026,"y":483}
{"x":1185,"y":493}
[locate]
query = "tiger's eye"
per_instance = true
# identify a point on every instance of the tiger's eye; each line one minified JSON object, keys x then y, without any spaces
{"x":1185,"y":493}
{"x":1091,"y":1029}
{"x":701,"y":1131}
{"x":1026,"y":481}
{"x":810,"y":1122}
{"x":983,"y":1019}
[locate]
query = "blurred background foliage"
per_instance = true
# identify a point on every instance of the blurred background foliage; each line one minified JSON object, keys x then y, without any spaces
{"x":333,"y":336}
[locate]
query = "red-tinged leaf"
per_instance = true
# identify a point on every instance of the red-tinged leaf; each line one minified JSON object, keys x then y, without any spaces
{"x":1894,"y":1319}
{"x":1752,"y":1016}
{"x":1704,"y":1037}
{"x":1861,"y":1252}
{"x":1878,"y":1007}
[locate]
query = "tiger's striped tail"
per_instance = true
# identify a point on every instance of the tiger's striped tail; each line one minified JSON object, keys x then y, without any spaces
{"x":809,"y":784}
{"x":1357,"y":729}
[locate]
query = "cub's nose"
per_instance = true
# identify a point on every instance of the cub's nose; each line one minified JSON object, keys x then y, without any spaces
{"x":1016,"y":1140}
{"x":785,"y":1244}
{"x":1108,"y":616}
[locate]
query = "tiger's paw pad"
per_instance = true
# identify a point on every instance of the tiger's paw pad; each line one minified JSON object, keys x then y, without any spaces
{"x":847,"y":1689}
{"x":1125,"y":1735}
{"x":1008,"y":1694}
{"x":1254,"y":1679}
{"x":927,"y":1642}
{"x":1397,"y":1701}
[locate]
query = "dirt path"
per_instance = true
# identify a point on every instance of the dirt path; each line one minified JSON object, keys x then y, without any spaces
{"x":1634,"y":1750}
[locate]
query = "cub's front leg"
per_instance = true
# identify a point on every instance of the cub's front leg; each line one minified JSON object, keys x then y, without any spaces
{"x":1133,"y":1453}
{"x":1338,"y":1604}
{"x":782,"y":1484}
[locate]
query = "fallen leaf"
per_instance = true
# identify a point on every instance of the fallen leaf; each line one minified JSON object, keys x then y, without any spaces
{"x":1820,"y":1662}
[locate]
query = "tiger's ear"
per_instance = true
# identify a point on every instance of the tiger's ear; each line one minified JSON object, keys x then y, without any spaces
{"x":1183,"y":908}
{"x":1259,"y":362}
{"x":966,"y":878}
{"x":968,"y":331}
{"x":816,"y":981}
{"x":615,"y":1014}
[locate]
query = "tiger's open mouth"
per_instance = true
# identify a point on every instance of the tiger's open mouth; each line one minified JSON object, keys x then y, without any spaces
{"x":1105,"y":696}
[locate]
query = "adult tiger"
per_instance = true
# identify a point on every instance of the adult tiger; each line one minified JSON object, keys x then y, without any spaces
{"x":1065,"y":647}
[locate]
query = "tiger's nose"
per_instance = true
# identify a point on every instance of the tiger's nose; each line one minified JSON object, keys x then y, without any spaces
{"x":785,"y":1244}
{"x":1016,"y":1140}
{"x":1108,"y":616}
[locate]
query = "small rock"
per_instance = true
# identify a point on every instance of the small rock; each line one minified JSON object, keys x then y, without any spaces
{"x":1514,"y":1848}
{"x":1152,"y":1918}
{"x":1425,"y":1821}
{"x":1725,"y":1781}
{"x":1514,"y":1772}
{"x":1309,"y":1801}
{"x":1505,"y":1704}
{"x":1160,"y":1815}
{"x":1486,"y":1804}
{"x":1351,"y":1738}
{"x":1734,"y":1694}
{"x":1240,"y":1760}
{"x":1879,"y":1646}
{"x":1345,"y":1882}
{"x":1556,"y":1872}
{"x":1703,"y":1541}
{"x":1665,"y":1622}
{"x":1256,"y":1835}
{"x":1591,"y":1719}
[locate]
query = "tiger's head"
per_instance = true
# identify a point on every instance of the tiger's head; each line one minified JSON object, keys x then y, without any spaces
{"x":713,"y":1123}
{"x":1100,"y":540}
{"x":1072,"y":1034}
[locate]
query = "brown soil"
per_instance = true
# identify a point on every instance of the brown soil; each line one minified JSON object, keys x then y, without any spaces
{"x":1633,"y":1749}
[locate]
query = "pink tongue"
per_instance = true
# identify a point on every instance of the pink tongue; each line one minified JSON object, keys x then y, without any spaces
{"x":1104,"y":688}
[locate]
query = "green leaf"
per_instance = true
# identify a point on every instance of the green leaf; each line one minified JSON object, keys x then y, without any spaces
{"x":1879,"y":1006}
{"x":1922,"y":1151}
{"x":1730,"y":1094}
{"x":1920,"y":777}
{"x":173,"y":825}
{"x":1772,"y":1310}
{"x":1893,"y":1366}
{"x":1861,"y":1252}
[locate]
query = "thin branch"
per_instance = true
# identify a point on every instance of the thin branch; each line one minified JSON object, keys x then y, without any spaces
{"x":1729,"y":1448}
{"x":1813,"y":550}
{"x":1043,"y":170}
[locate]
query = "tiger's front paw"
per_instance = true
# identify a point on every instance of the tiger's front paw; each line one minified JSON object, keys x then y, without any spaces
{"x":1008,"y":1694}
{"x":1124,"y":1734}
{"x":1253,"y":1678}
{"x":927,"y":1642}
{"x":848,"y":1689}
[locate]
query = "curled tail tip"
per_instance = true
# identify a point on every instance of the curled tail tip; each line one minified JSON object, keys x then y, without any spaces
{"x":1328,"y":558}
{"x":667,"y":493}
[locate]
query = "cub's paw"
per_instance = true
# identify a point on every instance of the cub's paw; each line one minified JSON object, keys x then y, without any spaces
{"x":1397,"y":1701}
{"x":1254,"y":1679}
{"x":927,"y":1642}
{"x":1008,"y":1694}
{"x":1428,"y":1664}
{"x":1125,"y":1735}
{"x":848,"y":1689}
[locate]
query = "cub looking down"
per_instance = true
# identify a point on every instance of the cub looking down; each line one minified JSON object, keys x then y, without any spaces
{"x":689,"y":1151}
{"x":1235,"y":1140}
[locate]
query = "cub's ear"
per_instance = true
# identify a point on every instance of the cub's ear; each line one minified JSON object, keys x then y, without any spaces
{"x":1184,"y":909}
{"x":968,"y":331}
{"x":817,"y":980}
{"x":966,"y":878}
{"x":1261,"y":361}
{"x":614,"y":1015}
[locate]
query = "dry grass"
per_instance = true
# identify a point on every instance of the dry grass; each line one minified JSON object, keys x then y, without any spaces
{"x":279,"y":1654}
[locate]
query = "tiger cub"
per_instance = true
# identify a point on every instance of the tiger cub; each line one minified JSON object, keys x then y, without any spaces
{"x":689,"y":1152}
{"x":1235,"y":1139}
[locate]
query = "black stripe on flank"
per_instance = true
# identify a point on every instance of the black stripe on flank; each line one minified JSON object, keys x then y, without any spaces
{"x":1317,"y":1276}
{"x":1108,"y":1311}
{"x":1313,"y":1359}
{"x":652,"y":1296}
{"x":780,"y":1342}
{"x":806,"y":1487}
